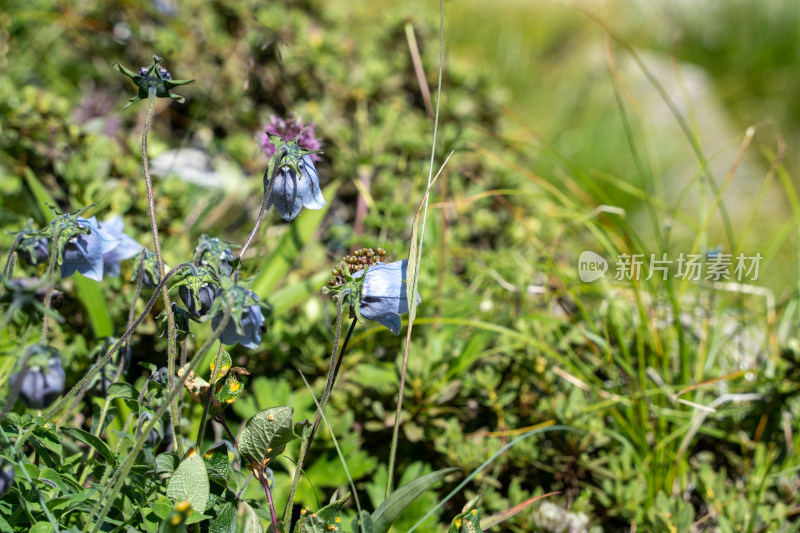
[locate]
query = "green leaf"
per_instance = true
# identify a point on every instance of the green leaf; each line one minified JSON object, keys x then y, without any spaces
{"x":161,"y":507}
{"x":39,"y":191}
{"x":291,"y":244}
{"x":225,"y":522}
{"x":267,"y":433}
{"x":365,"y":525}
{"x":217,"y":463}
{"x":93,"y":299}
{"x":195,"y":517}
{"x":224,"y":365}
{"x":166,"y":463}
{"x":391,"y":508}
{"x":252,"y":524}
{"x":321,"y":521}
{"x":42,"y":527}
{"x":48,"y":438}
{"x":87,"y":438}
{"x":229,"y":390}
{"x":295,"y":294}
{"x":122,"y":390}
{"x":190,"y":482}
{"x":53,"y":476}
{"x":469,"y":519}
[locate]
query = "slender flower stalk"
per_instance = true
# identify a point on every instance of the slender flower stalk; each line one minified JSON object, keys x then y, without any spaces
{"x":269,"y":179}
{"x":171,"y":341}
{"x":49,"y":287}
{"x":262,"y":477}
{"x":306,"y":441}
{"x":11,"y":260}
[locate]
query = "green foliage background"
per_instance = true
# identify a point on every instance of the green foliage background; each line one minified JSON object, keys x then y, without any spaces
{"x":548,"y":133}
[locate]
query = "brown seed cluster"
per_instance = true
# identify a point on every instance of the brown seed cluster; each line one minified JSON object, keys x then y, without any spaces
{"x":357,"y":261}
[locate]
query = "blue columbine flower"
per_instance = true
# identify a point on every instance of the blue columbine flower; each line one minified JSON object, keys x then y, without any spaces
{"x":296,"y":181}
{"x":126,"y":248}
{"x":198,"y":302}
{"x":84,"y":252}
{"x":41,"y":386}
{"x":297,"y":188}
{"x":383,"y":296}
{"x":246,"y":323}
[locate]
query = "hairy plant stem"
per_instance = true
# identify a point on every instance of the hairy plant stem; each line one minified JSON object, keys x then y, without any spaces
{"x":48,"y":295}
{"x":306,"y":441}
{"x":264,"y":202}
{"x":11,"y":260}
{"x":262,"y":477}
{"x":332,"y":381}
{"x":119,"y":478}
{"x":171,"y":341}
{"x":221,"y":420}
{"x":125,"y":336}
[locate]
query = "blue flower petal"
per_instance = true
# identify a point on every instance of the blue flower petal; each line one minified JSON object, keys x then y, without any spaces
{"x":250,"y":334}
{"x":308,"y":186}
{"x":125,"y":249}
{"x":383,"y":296}
{"x":291,"y":192}
{"x":284,"y":194}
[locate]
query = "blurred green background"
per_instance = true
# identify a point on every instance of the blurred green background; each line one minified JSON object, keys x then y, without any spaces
{"x":563,"y":143}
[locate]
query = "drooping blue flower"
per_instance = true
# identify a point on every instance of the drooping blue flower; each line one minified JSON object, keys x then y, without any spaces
{"x":198,"y":303}
{"x":296,"y":186}
{"x":245,"y":328}
{"x":84,"y":252}
{"x":383,"y":296}
{"x":126,"y":248}
{"x":41,"y":385}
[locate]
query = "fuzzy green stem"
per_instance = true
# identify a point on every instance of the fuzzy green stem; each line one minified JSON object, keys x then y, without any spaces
{"x":264,"y":202}
{"x":51,"y":267}
{"x":121,"y":476}
{"x":171,"y":341}
{"x":8,"y":271}
{"x":332,"y":380}
{"x":306,"y":441}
